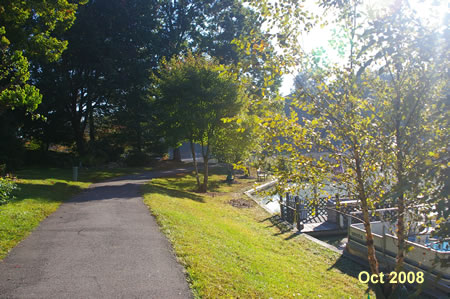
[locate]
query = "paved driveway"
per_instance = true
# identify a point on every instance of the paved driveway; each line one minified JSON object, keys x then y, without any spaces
{"x":103,"y":243}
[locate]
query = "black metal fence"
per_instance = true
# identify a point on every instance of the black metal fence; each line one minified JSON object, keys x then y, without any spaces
{"x":299,"y":211}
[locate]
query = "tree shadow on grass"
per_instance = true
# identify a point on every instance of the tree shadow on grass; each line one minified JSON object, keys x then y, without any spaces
{"x":176,"y":183}
{"x":348,"y":266}
{"x":163,"y":190}
{"x":276,"y":221}
{"x":56,"y":192}
{"x":180,"y":182}
{"x":85,"y":175}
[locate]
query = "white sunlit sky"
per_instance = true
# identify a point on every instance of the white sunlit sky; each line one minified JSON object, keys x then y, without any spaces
{"x":431,"y":12}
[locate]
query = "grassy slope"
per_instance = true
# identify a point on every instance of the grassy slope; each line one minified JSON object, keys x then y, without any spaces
{"x":239,"y":253}
{"x":41,"y":192}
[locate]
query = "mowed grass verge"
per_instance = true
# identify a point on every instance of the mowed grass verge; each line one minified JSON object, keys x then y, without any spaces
{"x":238,"y":252}
{"x":41,"y":193}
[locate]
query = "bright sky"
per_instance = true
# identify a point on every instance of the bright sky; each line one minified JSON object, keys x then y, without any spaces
{"x":431,"y":11}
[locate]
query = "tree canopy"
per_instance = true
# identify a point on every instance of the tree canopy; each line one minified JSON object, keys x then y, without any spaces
{"x":29,"y":30}
{"x":93,"y":94}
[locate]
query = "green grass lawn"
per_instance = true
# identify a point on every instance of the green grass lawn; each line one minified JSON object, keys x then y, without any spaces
{"x":41,"y":192}
{"x":239,"y":252}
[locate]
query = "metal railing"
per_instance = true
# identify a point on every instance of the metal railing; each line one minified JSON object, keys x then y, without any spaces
{"x":299,"y":211}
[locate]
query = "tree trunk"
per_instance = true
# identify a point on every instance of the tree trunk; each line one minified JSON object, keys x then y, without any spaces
{"x":79,"y":140}
{"x":79,"y":136}
{"x":195,"y":164}
{"x":78,"y":125}
{"x":400,"y":258}
{"x":91,"y":122}
{"x":205,"y":176}
{"x":177,"y":154}
{"x":371,"y":256}
{"x":138,"y":129}
{"x":400,"y":234}
{"x":205,"y":170}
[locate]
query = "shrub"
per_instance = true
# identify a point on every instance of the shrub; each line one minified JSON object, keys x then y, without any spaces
{"x":7,"y":186}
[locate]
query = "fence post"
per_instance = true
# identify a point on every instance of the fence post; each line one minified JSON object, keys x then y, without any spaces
{"x":292,"y":206}
{"x":297,"y":212}
{"x":288,"y":211}
{"x":294,"y":219}
{"x":303,"y":209}
{"x":281,"y":207}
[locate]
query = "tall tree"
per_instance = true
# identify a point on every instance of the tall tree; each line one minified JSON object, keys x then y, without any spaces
{"x":196,"y":94}
{"x":114,"y":44}
{"x":103,"y":72}
{"x":210,"y":27}
{"x":414,"y":115}
{"x":29,"y":29}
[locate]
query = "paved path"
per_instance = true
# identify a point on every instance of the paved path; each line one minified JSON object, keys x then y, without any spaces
{"x":103,"y":243}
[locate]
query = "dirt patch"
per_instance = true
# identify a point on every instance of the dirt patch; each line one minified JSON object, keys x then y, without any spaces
{"x":242,"y":203}
{"x":216,"y":194}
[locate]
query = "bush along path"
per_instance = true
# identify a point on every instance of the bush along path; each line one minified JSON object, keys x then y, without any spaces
{"x":101,"y":244}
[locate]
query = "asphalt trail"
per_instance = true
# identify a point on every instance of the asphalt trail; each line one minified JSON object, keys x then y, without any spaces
{"x":103,"y":243}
